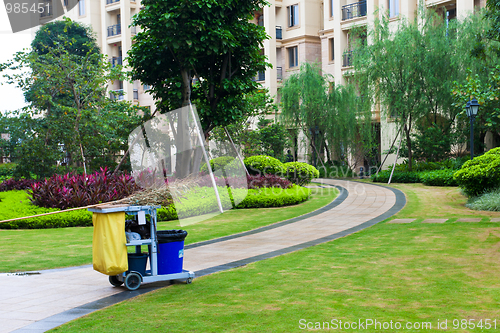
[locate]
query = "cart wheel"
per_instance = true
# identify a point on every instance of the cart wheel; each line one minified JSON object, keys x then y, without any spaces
{"x":113,"y":279}
{"x":133,"y":281}
{"x":189,"y":280}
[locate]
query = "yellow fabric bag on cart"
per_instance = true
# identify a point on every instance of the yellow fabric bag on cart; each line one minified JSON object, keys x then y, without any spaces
{"x":109,"y":252}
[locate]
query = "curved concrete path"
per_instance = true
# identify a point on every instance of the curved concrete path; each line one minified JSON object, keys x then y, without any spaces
{"x":39,"y":302}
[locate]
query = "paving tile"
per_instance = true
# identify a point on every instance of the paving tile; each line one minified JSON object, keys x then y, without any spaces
{"x":495,"y":219}
{"x":402,"y":221}
{"x":468,"y":219}
{"x":434,"y":221}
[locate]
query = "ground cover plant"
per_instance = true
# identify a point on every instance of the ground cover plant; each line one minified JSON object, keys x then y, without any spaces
{"x":25,"y":250}
{"x":412,"y":274}
{"x":486,"y":201}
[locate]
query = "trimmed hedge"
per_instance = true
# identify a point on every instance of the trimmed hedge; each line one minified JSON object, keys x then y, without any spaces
{"x":275,"y":197}
{"x":397,"y":177}
{"x":480,"y":174}
{"x":300,"y":173}
{"x":15,"y":204}
{"x":438,"y":178}
{"x":231,"y":165}
{"x":264,"y":165}
{"x":199,"y":203}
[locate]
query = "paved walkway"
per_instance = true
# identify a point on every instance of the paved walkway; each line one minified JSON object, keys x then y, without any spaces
{"x":38,"y":302}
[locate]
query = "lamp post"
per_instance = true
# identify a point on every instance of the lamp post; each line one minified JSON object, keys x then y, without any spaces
{"x":471,"y":108}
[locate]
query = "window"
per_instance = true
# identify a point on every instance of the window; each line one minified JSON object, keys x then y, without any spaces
{"x":331,"y":48}
{"x":293,"y":57}
{"x":393,"y":8}
{"x":293,"y":15}
{"x":66,"y":3}
{"x":331,"y":8}
{"x":81,"y":7}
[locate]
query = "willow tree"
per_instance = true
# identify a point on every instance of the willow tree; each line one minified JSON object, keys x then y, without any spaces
{"x":333,"y":118}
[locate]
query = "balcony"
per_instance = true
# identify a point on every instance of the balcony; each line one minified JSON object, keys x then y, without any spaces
{"x":353,"y":10}
{"x":279,"y":32}
{"x":115,"y":61}
{"x":115,"y":30}
{"x":279,"y":73}
{"x":347,"y":59}
{"x":136,"y":94}
{"x":116,"y":95}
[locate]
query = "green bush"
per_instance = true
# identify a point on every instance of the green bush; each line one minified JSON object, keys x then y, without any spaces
{"x":264,"y":165}
{"x":7,"y":170}
{"x":480,"y":174}
{"x":275,"y":197}
{"x":486,"y":201}
{"x":397,"y":177}
{"x":15,"y":204}
{"x":217,"y":163}
{"x":300,"y":173}
{"x":335,"y":171}
{"x":438,"y":178}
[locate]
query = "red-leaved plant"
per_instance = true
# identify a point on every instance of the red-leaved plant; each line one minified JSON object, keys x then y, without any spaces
{"x":71,"y":190}
{"x":16,"y":184}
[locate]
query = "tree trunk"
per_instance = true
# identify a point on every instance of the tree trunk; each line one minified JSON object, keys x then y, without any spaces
{"x":408,"y":146}
{"x":183,"y":167}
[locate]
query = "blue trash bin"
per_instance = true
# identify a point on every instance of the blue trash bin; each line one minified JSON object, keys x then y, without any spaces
{"x":170,"y":251}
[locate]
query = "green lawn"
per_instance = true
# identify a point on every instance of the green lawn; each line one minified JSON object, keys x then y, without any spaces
{"x":36,"y":249}
{"x":410,"y":274}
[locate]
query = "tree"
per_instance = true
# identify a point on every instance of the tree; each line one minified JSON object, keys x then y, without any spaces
{"x":404,"y":70}
{"x":333,"y":118}
{"x":482,"y":79}
{"x":202,"y":50}
{"x":71,"y":117}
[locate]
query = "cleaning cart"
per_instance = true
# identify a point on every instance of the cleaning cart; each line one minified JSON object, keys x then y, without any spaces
{"x":111,"y":257}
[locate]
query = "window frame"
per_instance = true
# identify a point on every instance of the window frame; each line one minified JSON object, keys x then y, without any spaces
{"x":293,"y":14}
{"x":82,"y":8}
{"x":393,"y":8}
{"x":293,"y":62}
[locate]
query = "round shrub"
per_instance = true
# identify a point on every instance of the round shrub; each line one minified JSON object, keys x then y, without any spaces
{"x":300,"y":173}
{"x":217,"y":163}
{"x":480,"y":174}
{"x":264,"y":165}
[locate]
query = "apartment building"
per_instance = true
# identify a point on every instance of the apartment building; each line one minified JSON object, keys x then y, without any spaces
{"x":301,"y":31}
{"x":110,"y":20}
{"x":322,"y":32}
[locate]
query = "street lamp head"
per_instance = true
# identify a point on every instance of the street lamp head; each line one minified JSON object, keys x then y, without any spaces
{"x":467,"y":109}
{"x":474,"y":107}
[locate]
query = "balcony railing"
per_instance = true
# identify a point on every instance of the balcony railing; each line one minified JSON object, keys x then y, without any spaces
{"x":109,"y":2}
{"x":115,"y":30}
{"x":115,"y":61}
{"x":279,"y":32}
{"x":279,"y":73}
{"x":357,"y":9}
{"x":136,"y":94}
{"x":347,"y":58}
{"x":116,"y":94}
